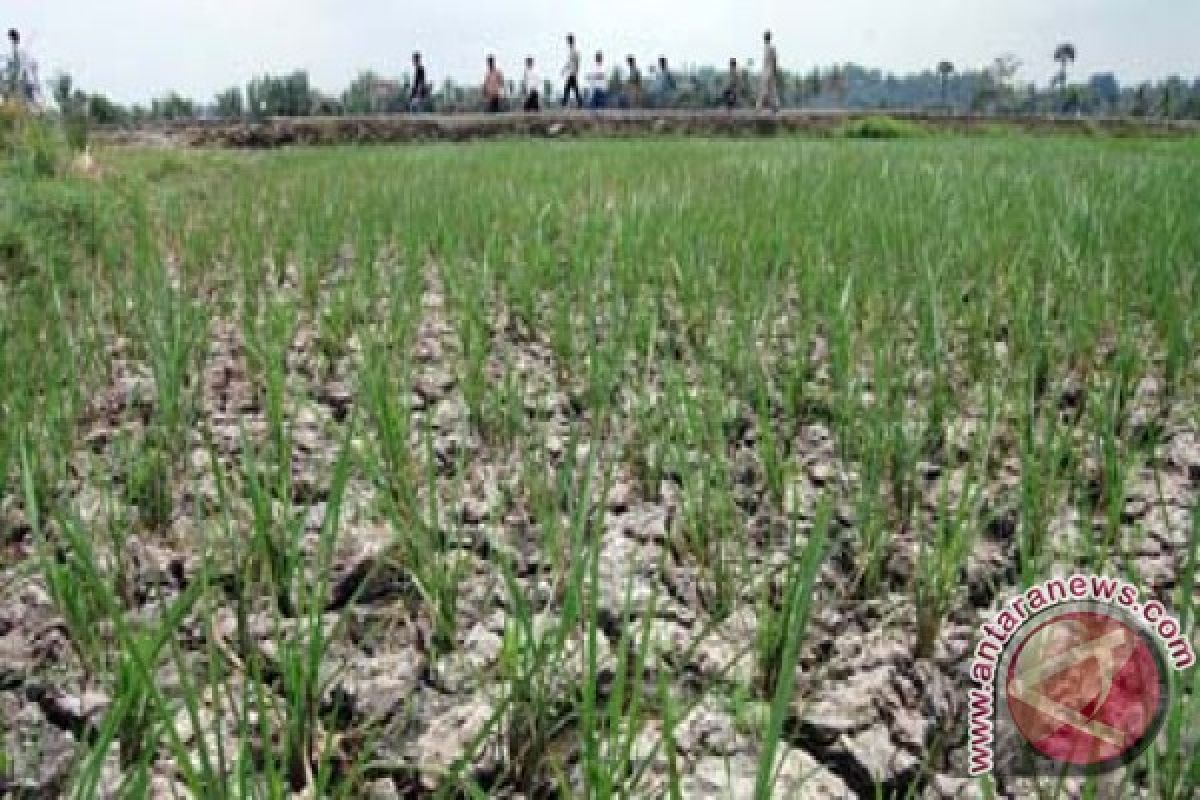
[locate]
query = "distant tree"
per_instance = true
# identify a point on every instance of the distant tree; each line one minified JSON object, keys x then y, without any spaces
{"x":1105,"y":89}
{"x":944,"y":70}
{"x":994,"y":84}
{"x":1073,"y":100}
{"x":172,"y":107}
{"x":812,"y":83}
{"x":1174,"y":93}
{"x":1141,"y":101}
{"x":230,"y":104}
{"x":280,"y":96}
{"x":356,"y":99}
{"x":60,"y":88}
{"x":103,"y":111}
{"x":839,"y":83}
{"x":1191,"y":106}
{"x":1064,"y":54}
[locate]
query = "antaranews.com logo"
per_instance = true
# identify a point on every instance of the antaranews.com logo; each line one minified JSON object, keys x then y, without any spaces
{"x":1072,"y":677}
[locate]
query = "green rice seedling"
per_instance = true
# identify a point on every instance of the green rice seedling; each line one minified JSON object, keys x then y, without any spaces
{"x":267,"y":344}
{"x":148,"y":483}
{"x":1172,"y":769}
{"x":89,"y":604}
{"x":476,"y":345}
{"x":1107,"y":486}
{"x":1043,"y":453}
{"x":609,"y":728}
{"x":272,"y":563}
{"x":301,"y":660}
{"x":420,"y":545}
{"x":941,"y":559}
{"x":535,"y":715}
{"x":62,"y":573}
{"x":771,"y":452}
{"x":781,"y":634}
{"x":783,"y":609}
{"x":873,"y":523}
{"x":710,"y":534}
{"x":604,"y":365}
{"x":651,"y":446}
{"x":900,"y":447}
{"x":395,"y":468}
{"x":132,"y":721}
{"x":562,"y":331}
{"x":504,"y":408}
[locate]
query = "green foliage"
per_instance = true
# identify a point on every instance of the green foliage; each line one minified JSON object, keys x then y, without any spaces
{"x":230,"y":103}
{"x":30,"y":147}
{"x":879,"y":127}
{"x":280,"y":96}
{"x":726,"y":356}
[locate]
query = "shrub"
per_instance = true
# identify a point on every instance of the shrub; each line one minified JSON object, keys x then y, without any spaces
{"x":29,"y":145}
{"x":878,"y":127}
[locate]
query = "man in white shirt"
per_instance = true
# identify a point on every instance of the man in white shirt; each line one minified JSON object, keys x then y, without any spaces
{"x":20,"y":73}
{"x":769,"y":92}
{"x":531,"y":86}
{"x":597,"y":80}
{"x":571,"y":71}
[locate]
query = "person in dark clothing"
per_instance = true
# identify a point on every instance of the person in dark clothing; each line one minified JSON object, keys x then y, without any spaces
{"x":633,"y":84}
{"x":571,"y":72}
{"x":729,"y":97}
{"x":418,"y":99}
{"x":493,"y":86}
{"x":664,"y":84}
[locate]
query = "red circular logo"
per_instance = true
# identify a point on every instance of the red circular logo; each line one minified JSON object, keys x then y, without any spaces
{"x":1087,"y":689}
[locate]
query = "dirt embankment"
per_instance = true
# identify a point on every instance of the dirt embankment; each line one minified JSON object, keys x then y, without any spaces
{"x":379,"y":129}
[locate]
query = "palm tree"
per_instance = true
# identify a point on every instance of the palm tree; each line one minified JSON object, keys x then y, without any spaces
{"x":944,"y":70}
{"x":1064,"y":54}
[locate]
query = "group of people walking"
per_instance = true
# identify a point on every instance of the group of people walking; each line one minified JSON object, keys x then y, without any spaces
{"x":630,"y":94}
{"x":588,"y":88}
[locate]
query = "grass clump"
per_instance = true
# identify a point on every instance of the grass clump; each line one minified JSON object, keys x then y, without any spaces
{"x":879,"y":127}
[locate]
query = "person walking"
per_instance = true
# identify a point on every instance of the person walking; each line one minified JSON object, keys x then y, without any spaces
{"x":769,"y":91}
{"x":571,"y":72}
{"x":20,"y":74}
{"x":597,"y":80}
{"x":633,"y":84}
{"x":664,"y":84}
{"x":531,"y":87}
{"x":418,"y":98}
{"x":493,"y":86}
{"x":732,"y":91}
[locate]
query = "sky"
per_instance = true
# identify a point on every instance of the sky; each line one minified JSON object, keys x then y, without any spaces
{"x":134,"y":50}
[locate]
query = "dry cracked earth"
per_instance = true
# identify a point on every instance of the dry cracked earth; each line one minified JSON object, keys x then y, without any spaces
{"x":869,"y":717}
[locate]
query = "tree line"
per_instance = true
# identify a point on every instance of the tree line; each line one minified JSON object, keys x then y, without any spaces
{"x":944,"y":87}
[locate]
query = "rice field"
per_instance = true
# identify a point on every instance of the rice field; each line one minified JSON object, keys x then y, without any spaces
{"x":649,"y":468}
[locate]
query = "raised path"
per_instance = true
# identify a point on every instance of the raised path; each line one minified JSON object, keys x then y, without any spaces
{"x":394,"y":128}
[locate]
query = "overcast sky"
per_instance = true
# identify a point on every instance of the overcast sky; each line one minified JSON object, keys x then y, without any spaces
{"x":137,"y":49}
